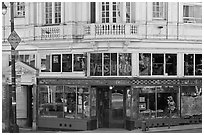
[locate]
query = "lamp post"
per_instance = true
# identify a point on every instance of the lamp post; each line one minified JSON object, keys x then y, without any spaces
{"x":13,"y":127}
{"x":4,"y":10}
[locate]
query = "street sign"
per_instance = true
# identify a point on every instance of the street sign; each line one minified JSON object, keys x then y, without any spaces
{"x":14,"y":39}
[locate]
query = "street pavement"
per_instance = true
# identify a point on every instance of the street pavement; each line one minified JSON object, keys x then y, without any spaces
{"x":193,"y":128}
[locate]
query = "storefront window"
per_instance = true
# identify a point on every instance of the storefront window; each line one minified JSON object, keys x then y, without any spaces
{"x":66,"y":62}
{"x":171,"y":64}
{"x":93,"y":101}
{"x":56,"y":63}
{"x":188,"y":64}
{"x":145,"y":63}
{"x":45,"y":63}
{"x":78,"y":62}
{"x":198,"y":64}
{"x":157,"y":64}
{"x":71,"y":102}
{"x":125,"y":66}
{"x":191,"y":101}
{"x":51,"y":101}
{"x":154,"y":101}
{"x":96,"y":64}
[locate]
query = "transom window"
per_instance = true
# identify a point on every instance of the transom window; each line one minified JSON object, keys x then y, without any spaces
{"x":20,"y":9}
{"x":52,"y":12}
{"x":159,"y":10}
{"x":192,"y":14}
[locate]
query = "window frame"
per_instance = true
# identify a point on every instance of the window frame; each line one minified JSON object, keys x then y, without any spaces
{"x":189,"y":17}
{"x":50,"y":17}
{"x":162,"y":14}
{"x":20,"y":10}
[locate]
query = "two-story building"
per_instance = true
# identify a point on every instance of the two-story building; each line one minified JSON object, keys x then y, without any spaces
{"x":88,"y":65}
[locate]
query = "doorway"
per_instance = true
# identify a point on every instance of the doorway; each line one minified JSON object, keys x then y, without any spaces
{"x":111,"y":106}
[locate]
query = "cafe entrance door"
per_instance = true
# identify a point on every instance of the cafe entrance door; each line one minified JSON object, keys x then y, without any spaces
{"x":111,"y":107}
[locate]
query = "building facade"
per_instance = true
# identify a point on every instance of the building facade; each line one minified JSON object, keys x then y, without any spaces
{"x":88,"y":65}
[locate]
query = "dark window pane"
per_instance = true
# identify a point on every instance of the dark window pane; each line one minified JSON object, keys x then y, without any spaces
{"x":56,"y":63}
{"x":96,"y":64}
{"x":45,"y":63}
{"x":113,"y":63}
{"x":171,"y":64}
{"x":145,"y":64}
{"x":106,"y":64}
{"x":198,"y":64}
{"x":125,"y":65}
{"x":66,"y":62}
{"x":78,"y":62}
{"x":158,"y":64}
{"x":188,"y":64}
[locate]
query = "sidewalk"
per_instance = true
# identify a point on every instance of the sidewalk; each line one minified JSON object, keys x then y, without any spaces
{"x":119,"y":130}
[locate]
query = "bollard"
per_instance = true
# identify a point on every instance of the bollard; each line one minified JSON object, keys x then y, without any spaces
{"x":144,"y":127}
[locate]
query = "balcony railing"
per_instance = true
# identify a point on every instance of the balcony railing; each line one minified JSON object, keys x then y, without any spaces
{"x":83,"y":31}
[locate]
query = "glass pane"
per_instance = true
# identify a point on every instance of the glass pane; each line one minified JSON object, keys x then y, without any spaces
{"x":96,"y":64}
{"x":171,"y":64}
{"x":66,"y":62}
{"x":70,"y":103}
{"x":45,"y":63}
{"x":198,"y":64}
{"x":117,"y":104}
{"x":56,"y":63}
{"x":125,"y":66}
{"x":93,"y":101}
{"x":78,"y":62}
{"x":114,"y":64}
{"x":32,"y":60}
{"x":188,"y":64}
{"x":51,"y":101}
{"x":27,"y":59}
{"x":145,"y":64}
{"x":106,"y":64}
{"x":191,"y":101}
{"x":157,"y":64}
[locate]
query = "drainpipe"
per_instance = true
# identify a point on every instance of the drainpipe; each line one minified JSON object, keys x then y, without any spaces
{"x":177,"y":20}
{"x":167,"y":20}
{"x":146,"y":23}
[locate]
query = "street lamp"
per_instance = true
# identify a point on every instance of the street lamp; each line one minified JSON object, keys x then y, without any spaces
{"x":13,"y":127}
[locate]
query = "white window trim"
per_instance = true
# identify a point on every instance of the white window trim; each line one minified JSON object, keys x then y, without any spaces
{"x":53,"y":14}
{"x":163,"y":17}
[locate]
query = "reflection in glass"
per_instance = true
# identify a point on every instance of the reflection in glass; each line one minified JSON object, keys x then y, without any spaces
{"x":145,"y":64}
{"x":56,"y":63}
{"x":96,"y":64}
{"x":110,"y":64}
{"x":188,"y":64}
{"x":171,"y":64}
{"x":78,"y":62}
{"x":157,"y":64}
{"x":125,"y":66}
{"x":198,"y":64}
{"x":45,"y":63}
{"x":66,"y":62}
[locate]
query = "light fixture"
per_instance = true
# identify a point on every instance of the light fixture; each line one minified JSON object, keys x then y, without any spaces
{"x":4,"y":8}
{"x":110,"y":87}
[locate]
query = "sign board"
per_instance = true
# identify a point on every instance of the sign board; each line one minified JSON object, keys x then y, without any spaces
{"x":14,"y":39}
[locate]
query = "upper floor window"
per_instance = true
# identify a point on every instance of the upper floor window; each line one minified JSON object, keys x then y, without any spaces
{"x":110,"y":64}
{"x":110,"y":12}
{"x":62,"y":63}
{"x":159,"y":10}
{"x":52,"y":12}
{"x":128,"y":9}
{"x":20,"y":9}
{"x":192,"y":14}
{"x":157,"y":64}
{"x":192,"y":64}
